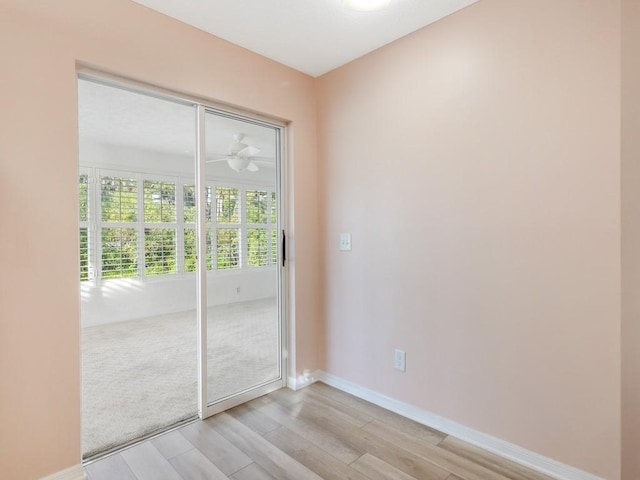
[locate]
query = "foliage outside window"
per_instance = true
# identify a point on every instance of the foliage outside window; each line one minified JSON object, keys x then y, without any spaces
{"x":191,"y":251}
{"x":189,"y":204}
{"x":257,"y":206}
{"x":159,"y":251}
{"x":227,"y":205}
{"x":228,"y":248}
{"x":274,"y":209}
{"x":83,"y":197}
{"x":257,"y":247}
{"x":227,"y":239}
{"x":119,"y":252}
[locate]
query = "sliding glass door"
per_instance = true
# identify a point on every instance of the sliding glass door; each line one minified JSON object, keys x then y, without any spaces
{"x":180,"y":265}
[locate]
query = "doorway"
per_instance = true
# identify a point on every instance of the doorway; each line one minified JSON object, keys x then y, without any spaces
{"x":181,"y":273}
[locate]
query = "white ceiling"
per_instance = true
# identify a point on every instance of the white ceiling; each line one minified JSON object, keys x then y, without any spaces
{"x":313,"y":36}
{"x":122,"y":118}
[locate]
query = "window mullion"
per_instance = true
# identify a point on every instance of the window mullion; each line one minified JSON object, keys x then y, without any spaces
{"x":268,"y":232}
{"x":213,"y":226}
{"x":141,"y":226}
{"x":180,"y":226}
{"x":244,"y":241}
{"x":95,"y":219}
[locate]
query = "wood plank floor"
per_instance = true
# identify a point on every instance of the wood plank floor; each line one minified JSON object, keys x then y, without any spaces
{"x":315,"y":433}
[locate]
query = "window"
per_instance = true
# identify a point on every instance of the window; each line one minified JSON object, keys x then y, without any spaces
{"x":140,"y":226}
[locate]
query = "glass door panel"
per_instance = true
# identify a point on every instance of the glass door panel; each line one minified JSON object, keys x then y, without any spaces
{"x":243,"y":277}
{"x":137,"y":263}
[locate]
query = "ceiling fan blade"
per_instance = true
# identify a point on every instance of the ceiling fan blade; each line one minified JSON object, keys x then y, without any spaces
{"x":252,"y":167}
{"x":248,"y":151}
{"x":264,"y":163}
{"x":221,"y":159}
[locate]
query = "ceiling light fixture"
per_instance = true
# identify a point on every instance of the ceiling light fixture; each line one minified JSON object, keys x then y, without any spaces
{"x":366,"y":5}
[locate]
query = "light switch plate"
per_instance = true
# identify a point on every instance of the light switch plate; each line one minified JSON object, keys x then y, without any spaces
{"x":400,"y":360}
{"x":345,"y":242}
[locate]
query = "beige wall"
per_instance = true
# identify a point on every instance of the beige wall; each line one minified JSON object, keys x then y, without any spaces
{"x":40,"y":43}
{"x":630,"y":240}
{"x":476,"y":164}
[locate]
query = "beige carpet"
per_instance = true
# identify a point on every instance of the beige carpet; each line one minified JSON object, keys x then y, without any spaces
{"x":139,"y":376}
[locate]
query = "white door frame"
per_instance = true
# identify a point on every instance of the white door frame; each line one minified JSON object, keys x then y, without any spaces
{"x":206,"y":409}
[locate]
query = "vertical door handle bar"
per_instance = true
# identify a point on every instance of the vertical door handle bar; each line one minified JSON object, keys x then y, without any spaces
{"x":284,"y":247}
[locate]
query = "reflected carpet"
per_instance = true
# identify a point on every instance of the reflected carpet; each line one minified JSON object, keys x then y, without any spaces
{"x":140,"y":376}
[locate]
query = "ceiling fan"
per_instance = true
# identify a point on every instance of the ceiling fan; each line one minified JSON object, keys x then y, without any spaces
{"x":241,"y":156}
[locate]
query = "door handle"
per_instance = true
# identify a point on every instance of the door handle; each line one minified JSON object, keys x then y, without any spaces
{"x":284,"y":247}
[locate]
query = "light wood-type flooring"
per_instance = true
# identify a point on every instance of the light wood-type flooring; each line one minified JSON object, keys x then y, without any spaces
{"x":315,"y":433}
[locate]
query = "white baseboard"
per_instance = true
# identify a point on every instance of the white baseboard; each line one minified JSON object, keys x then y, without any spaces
{"x":303,"y":380}
{"x":73,"y":473}
{"x":500,"y":447}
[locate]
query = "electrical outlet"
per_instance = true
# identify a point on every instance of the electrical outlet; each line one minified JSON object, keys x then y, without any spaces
{"x":400,"y":360}
{"x":345,"y":242}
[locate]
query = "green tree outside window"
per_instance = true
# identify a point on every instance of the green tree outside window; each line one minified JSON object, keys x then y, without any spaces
{"x":119,"y":253}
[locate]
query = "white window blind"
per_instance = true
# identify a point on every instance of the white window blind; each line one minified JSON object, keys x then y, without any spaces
{"x":144,"y":226}
{"x":160,"y":240}
{"x":274,"y":245}
{"x":159,"y":202}
{"x":119,"y":199}
{"x":83,"y":205}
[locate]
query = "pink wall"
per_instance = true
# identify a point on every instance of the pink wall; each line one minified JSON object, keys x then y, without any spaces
{"x":630,"y":240}
{"x":476,"y":164}
{"x":40,"y":43}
